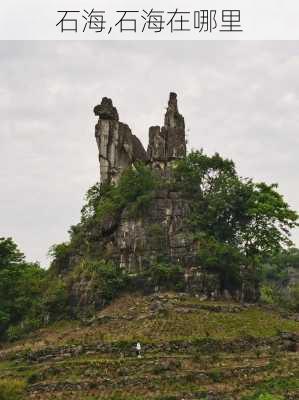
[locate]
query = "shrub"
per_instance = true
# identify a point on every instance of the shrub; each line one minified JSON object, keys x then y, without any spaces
{"x":60,"y":254}
{"x":221,"y":258}
{"x":99,"y":283}
{"x":294,"y":297}
{"x":134,"y":190}
{"x":166,"y":275}
{"x":267,"y":294}
{"x":15,"y":332}
{"x":55,"y":300}
{"x":21,"y":286}
{"x":216,"y":376}
{"x":268,"y":396}
{"x":12,"y":389}
{"x":157,"y":235}
{"x":33,"y":377}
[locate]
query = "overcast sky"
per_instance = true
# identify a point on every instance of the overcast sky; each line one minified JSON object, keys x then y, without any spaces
{"x":238,"y":98}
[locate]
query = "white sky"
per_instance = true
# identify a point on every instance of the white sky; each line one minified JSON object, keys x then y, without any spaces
{"x":238,"y":98}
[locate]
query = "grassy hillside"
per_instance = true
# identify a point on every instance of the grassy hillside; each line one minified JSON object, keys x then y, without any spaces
{"x":191,"y":349}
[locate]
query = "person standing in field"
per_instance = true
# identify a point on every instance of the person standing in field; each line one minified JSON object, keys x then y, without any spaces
{"x":138,"y":350}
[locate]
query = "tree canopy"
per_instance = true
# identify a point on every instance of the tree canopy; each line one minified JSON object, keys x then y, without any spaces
{"x":20,"y":284}
{"x":236,"y":221}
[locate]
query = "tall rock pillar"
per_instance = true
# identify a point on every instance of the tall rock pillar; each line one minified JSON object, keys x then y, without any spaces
{"x":169,"y":142}
{"x":118,"y":147}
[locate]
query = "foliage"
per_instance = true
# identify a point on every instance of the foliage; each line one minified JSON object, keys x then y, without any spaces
{"x":269,"y":396}
{"x":157,"y":235}
{"x":60,"y":253}
{"x":265,"y":396}
{"x":223,"y":259}
{"x":216,"y":376}
{"x":238,"y":224}
{"x":134,"y":190}
{"x":12,"y":389}
{"x":294,"y":298}
{"x":275,"y":276}
{"x":274,"y":388}
{"x":104,"y":204}
{"x":105,"y":280}
{"x":29,"y":295}
{"x":166,"y":275}
{"x":20,"y":285}
{"x":275,"y":268}
{"x":29,"y":324}
{"x":252,"y":216}
{"x":9,"y":253}
{"x":55,"y":300}
{"x":284,"y":297}
{"x":234,"y":220}
{"x":268,"y":294}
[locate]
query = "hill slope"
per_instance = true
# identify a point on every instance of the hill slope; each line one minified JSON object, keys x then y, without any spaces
{"x":191,"y":349}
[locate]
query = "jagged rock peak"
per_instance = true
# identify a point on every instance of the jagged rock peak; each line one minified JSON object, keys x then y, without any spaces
{"x":173,"y":119}
{"x":168,"y":143}
{"x":106,"y":110}
{"x":173,"y":102}
{"x":118,"y":147}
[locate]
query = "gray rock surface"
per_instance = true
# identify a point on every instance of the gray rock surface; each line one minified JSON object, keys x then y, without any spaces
{"x":167,"y":143}
{"x":133,"y":242}
{"x":118,"y":147}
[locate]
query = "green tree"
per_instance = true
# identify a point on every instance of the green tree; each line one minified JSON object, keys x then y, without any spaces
{"x":275,"y":268}
{"x":20,"y":285}
{"x":100,"y":283}
{"x":236,"y":221}
{"x":134,"y":190}
{"x":60,"y":254}
{"x":166,"y":275}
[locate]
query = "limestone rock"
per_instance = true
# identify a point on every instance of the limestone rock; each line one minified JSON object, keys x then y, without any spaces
{"x":168,"y":143}
{"x":136,"y":242}
{"x":106,"y":110}
{"x":118,"y":147}
{"x":162,"y":231}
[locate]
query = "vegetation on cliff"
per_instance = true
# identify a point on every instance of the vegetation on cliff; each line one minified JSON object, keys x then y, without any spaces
{"x":237,"y":223}
{"x":240,"y":228}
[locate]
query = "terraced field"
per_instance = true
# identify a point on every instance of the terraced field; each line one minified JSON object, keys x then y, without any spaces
{"x":191,"y":349}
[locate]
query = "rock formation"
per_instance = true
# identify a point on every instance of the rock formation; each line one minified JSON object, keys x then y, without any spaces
{"x":162,"y":232}
{"x":118,"y":147}
{"x":147,"y":229}
{"x":134,"y":243}
{"x":167,"y":143}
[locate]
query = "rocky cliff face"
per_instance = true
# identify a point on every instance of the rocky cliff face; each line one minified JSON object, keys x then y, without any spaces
{"x":167,"y":143}
{"x":133,"y":242}
{"x":161,"y":232}
{"x":118,"y":147}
